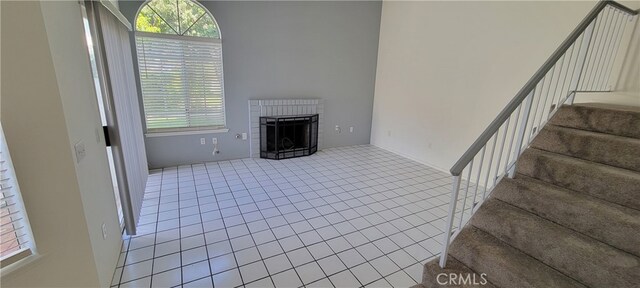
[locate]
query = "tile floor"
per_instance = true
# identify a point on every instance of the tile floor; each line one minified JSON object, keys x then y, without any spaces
{"x":344,"y":217}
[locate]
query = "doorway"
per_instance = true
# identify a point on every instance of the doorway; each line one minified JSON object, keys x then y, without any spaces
{"x":111,"y":58}
{"x":103,"y":114}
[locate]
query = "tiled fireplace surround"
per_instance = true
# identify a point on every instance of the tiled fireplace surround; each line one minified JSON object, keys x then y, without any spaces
{"x":279,"y":107}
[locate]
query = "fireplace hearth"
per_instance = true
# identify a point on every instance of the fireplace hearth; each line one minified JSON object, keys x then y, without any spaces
{"x":291,"y":136}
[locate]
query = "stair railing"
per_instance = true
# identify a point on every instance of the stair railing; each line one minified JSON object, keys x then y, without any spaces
{"x":583,"y":62}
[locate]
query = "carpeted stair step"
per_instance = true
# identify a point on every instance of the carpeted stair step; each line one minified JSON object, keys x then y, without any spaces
{"x":623,"y":152}
{"x":587,"y":260}
{"x":617,"y":185}
{"x":609,"y":119}
{"x":432,"y":270}
{"x":605,"y":221}
{"x":504,"y":265}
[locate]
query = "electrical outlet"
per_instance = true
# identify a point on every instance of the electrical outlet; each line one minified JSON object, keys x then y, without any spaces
{"x":244,"y":136}
{"x":104,"y":231}
{"x":351,"y":129}
{"x":338,"y":130}
{"x":203,"y":141}
{"x":214,"y":141}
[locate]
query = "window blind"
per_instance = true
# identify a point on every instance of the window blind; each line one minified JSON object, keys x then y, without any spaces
{"x":181,"y":81}
{"x":15,"y":234}
{"x":123,"y":118}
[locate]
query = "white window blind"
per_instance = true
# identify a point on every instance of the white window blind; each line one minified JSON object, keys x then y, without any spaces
{"x":182,"y":81}
{"x":15,"y":233}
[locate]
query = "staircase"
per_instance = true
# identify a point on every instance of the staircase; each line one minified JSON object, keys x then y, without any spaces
{"x":569,"y":218}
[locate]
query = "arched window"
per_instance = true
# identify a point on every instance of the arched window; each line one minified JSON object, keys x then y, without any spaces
{"x":180,"y":62}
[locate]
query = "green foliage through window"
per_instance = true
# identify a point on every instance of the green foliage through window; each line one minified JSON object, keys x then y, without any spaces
{"x":178,"y":17}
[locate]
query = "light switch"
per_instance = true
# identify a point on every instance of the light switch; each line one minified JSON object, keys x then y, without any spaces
{"x":80,"y":151}
{"x":104,"y":231}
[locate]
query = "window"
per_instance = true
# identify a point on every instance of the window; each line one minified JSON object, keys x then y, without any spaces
{"x":15,"y":233}
{"x":180,"y":62}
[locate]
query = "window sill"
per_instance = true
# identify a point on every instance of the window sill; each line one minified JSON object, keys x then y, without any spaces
{"x":183,"y":133}
{"x":19,"y":264}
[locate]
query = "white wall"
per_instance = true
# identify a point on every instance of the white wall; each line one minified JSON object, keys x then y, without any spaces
{"x":49,"y":104}
{"x":629,"y":82}
{"x":445,"y":69}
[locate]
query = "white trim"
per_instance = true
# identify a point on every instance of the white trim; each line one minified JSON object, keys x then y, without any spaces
{"x":181,"y":133}
{"x":177,"y":37}
{"x":15,"y":256}
{"x":114,"y":10}
{"x":4,"y":271}
{"x":135,"y":20}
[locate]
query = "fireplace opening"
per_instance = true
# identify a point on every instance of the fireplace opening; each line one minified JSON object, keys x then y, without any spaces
{"x":283,"y":137}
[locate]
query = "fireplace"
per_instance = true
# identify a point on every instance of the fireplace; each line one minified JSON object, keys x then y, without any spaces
{"x":283,"y":137}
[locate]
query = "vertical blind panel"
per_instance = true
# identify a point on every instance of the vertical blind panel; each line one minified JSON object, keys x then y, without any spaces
{"x":122,"y":89}
{"x":14,"y":227}
{"x":181,"y":79}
